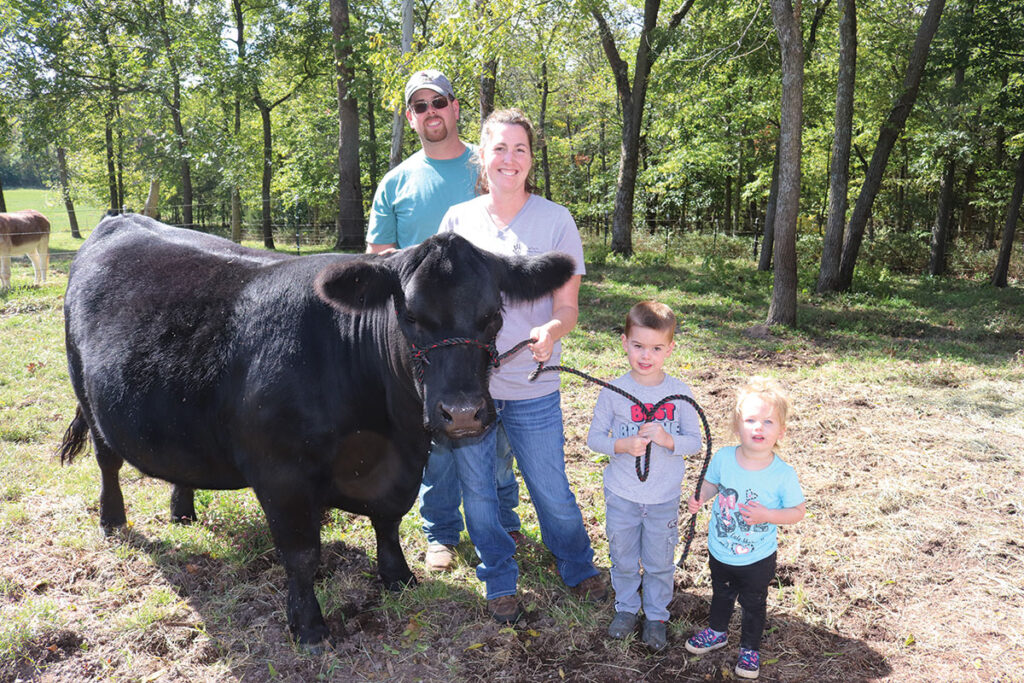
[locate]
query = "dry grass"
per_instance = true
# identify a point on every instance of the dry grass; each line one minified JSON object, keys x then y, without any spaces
{"x":907,"y":568}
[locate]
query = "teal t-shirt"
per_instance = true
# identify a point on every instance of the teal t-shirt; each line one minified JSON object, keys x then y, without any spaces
{"x":412,"y":197}
{"x":730,"y":539}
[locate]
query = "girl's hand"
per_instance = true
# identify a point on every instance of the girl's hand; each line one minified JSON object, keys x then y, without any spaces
{"x":693,"y":505}
{"x":755,"y":513}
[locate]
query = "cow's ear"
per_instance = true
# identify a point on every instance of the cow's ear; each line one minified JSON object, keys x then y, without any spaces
{"x":526,"y":279}
{"x":357,"y":286}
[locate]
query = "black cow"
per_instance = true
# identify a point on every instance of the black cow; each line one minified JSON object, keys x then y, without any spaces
{"x":316,"y":380}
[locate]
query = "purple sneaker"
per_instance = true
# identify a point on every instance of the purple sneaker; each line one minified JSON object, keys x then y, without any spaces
{"x":706,"y":641}
{"x":749,"y":663}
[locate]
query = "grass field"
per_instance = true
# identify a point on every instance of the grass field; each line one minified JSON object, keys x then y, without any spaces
{"x":907,"y":437}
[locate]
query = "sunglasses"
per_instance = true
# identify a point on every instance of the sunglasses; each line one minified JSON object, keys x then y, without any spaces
{"x":421,"y":107}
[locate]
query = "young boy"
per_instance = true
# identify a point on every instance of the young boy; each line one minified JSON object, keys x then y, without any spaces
{"x":641,"y":517}
{"x":754,"y":491}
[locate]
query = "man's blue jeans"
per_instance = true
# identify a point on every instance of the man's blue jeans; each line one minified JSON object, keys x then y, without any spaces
{"x":534,"y":429}
{"x":441,"y":494}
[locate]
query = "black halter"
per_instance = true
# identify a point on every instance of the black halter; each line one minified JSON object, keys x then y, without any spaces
{"x":419,"y":353}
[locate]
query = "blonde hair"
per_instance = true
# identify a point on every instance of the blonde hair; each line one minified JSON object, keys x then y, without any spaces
{"x":652,"y":315}
{"x":769,"y":391}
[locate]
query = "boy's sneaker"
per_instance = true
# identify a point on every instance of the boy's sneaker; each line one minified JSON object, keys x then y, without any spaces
{"x":706,"y":641}
{"x":749,"y":663}
{"x":622,"y":625}
{"x":654,"y":634}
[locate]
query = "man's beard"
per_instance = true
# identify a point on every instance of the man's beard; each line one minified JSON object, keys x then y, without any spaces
{"x":435,"y":134}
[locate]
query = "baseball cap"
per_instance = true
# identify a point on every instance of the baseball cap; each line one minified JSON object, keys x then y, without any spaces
{"x":431,"y":79}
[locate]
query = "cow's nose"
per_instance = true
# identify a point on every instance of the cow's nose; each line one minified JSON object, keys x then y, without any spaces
{"x":465,"y":418}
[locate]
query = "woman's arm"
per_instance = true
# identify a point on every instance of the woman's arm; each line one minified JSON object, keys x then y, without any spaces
{"x":565,"y":312}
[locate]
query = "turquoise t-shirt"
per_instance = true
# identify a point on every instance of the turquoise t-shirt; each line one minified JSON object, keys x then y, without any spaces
{"x":730,"y":539}
{"x":412,"y":197}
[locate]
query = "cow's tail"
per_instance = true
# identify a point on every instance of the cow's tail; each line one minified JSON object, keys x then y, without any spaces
{"x":74,"y":438}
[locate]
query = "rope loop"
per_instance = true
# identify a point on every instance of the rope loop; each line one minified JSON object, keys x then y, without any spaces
{"x":643,"y":470}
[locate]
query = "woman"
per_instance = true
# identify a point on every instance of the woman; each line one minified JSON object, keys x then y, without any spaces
{"x":507,"y":218}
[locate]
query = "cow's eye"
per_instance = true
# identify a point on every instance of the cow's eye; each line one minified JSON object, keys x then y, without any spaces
{"x":488,"y":319}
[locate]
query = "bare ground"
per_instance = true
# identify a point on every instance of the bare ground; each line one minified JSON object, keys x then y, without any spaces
{"x":907,"y":568}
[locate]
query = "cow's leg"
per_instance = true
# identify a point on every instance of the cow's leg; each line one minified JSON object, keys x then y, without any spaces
{"x":295,"y":525}
{"x":37,"y":267}
{"x":5,"y":270}
{"x":183,"y":505}
{"x":111,"y":501}
{"x":44,"y":256}
{"x":394,"y":571}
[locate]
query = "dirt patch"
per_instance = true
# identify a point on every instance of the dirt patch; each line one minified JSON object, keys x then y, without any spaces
{"x":907,"y":567}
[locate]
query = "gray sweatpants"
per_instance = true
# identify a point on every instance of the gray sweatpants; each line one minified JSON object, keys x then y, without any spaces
{"x":642,"y":536}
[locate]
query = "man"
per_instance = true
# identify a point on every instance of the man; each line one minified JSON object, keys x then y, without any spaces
{"x":408,"y":206}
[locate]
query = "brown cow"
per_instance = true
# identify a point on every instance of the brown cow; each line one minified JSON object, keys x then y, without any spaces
{"x":24,"y":232}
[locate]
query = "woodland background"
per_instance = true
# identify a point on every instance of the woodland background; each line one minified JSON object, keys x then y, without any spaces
{"x":809,"y":127}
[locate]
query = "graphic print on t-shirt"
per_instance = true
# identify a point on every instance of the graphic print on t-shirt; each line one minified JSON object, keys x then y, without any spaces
{"x":729,"y":523}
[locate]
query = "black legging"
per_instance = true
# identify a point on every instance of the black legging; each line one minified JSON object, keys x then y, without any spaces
{"x":750,"y":584}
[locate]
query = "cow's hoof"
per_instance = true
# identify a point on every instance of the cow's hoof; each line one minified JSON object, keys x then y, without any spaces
{"x":112,"y":528}
{"x":183,"y":519}
{"x":317,"y":648}
{"x":396,"y":585}
{"x":315,"y":641}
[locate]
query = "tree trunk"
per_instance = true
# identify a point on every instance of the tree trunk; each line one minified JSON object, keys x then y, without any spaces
{"x":153,"y":199}
{"x":236,"y":216}
{"x":65,"y":191}
{"x":764,"y":264}
{"x":782,"y":309}
{"x":268,"y":172}
{"x":940,"y":230}
{"x":488,"y":83}
{"x":398,"y":120}
{"x":1012,"y":214}
{"x":350,"y":200}
{"x":839,"y":167}
{"x":108,"y":138}
{"x":542,"y":128}
{"x":887,"y":136}
{"x":944,"y":214}
{"x":632,"y":99}
{"x":3,"y":202}
{"x":179,"y":130}
{"x":371,"y":125}
{"x":236,"y":196}
{"x":728,"y":203}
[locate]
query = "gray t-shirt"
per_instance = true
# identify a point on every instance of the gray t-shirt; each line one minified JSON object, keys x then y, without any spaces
{"x":540,"y":226}
{"x":616,"y":417}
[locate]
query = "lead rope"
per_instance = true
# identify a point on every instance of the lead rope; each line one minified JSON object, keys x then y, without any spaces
{"x":641,"y":472}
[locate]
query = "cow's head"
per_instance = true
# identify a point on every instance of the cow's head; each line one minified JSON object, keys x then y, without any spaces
{"x":446,"y":296}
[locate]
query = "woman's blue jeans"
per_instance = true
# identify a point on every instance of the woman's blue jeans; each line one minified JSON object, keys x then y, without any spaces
{"x":534,"y":429}
{"x":441,"y":495}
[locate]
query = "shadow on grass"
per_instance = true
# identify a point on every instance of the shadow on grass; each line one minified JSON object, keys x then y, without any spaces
{"x":241,"y":606}
{"x":718,"y":305}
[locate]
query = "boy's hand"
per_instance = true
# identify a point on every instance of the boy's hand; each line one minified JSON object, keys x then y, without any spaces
{"x":693,"y":505}
{"x":632,"y":445}
{"x":656,"y":433}
{"x":755,"y":513}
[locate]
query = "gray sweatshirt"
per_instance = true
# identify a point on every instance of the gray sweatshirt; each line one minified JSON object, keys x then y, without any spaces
{"x":616,"y":417}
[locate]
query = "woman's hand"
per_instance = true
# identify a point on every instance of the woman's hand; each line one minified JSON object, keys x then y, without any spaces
{"x":544,"y":345}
